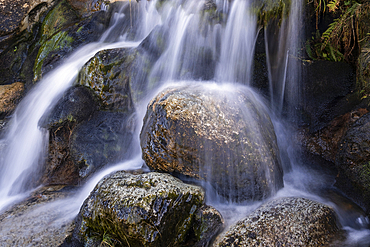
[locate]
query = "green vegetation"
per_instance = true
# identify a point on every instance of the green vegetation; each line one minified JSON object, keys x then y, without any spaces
{"x":342,"y":37}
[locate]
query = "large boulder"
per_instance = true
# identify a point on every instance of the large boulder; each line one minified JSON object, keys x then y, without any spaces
{"x":284,"y":222}
{"x":353,"y":162}
{"x":150,"y":209}
{"x":221,"y":134}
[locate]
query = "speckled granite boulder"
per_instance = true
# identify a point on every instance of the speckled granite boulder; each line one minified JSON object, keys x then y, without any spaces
{"x":17,"y":15}
{"x":284,"y":222}
{"x":150,"y":209}
{"x":221,"y":134}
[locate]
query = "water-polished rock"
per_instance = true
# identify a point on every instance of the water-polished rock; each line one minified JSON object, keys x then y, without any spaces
{"x":103,"y":139}
{"x":150,"y":209}
{"x":76,"y":105}
{"x":284,"y":222}
{"x":353,"y":162}
{"x":218,"y":133}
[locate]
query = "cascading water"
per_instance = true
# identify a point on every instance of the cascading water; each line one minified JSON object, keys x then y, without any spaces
{"x":24,"y":135}
{"x":237,"y":49}
{"x":196,"y":49}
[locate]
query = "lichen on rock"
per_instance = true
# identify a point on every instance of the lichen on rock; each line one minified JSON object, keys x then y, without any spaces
{"x":150,"y":209}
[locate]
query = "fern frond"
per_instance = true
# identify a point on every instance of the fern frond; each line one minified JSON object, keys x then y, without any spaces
{"x":338,"y":24}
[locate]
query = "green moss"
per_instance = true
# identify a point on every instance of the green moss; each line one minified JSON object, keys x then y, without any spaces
{"x":55,"y":43}
{"x":365,"y":175}
{"x":271,"y":10}
{"x":58,"y":18}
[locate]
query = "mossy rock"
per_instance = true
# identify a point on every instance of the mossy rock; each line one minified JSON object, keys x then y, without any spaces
{"x":285,"y":222}
{"x":150,"y":209}
{"x":221,"y":134}
{"x":353,"y":163}
{"x":63,"y":31}
{"x":107,"y":74}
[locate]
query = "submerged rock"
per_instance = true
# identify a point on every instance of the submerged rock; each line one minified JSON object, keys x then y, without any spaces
{"x":217,"y":133}
{"x":42,"y":219}
{"x":284,"y":222}
{"x":150,"y":209}
{"x":353,"y":162}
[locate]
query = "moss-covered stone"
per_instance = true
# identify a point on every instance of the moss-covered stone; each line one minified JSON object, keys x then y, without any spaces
{"x":151,"y":209}
{"x":285,"y":222}
{"x":61,"y":32}
{"x":108,"y":75}
{"x":219,"y":134}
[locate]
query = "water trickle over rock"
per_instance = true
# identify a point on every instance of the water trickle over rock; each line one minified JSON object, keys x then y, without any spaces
{"x":221,"y":134}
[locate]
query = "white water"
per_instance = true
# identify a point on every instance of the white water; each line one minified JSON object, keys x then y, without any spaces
{"x":282,"y":54}
{"x":237,"y":49}
{"x":25,"y":143}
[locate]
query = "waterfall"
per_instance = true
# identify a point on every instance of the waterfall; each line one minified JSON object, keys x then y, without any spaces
{"x":25,"y":143}
{"x":237,"y":50}
{"x":215,"y":51}
{"x":282,"y":42}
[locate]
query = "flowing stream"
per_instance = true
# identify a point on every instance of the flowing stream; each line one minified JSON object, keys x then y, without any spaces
{"x":198,"y":51}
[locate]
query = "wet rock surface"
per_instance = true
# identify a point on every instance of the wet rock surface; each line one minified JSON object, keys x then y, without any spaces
{"x":103,"y":139}
{"x":284,"y":222}
{"x":76,"y":105}
{"x":20,"y":14}
{"x":150,"y":209}
{"x":107,"y":74}
{"x":36,"y":221}
{"x":325,"y":98}
{"x":10,"y":95}
{"x":226,"y":138}
{"x":325,"y":142}
{"x":62,"y":32}
{"x":353,"y":162}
